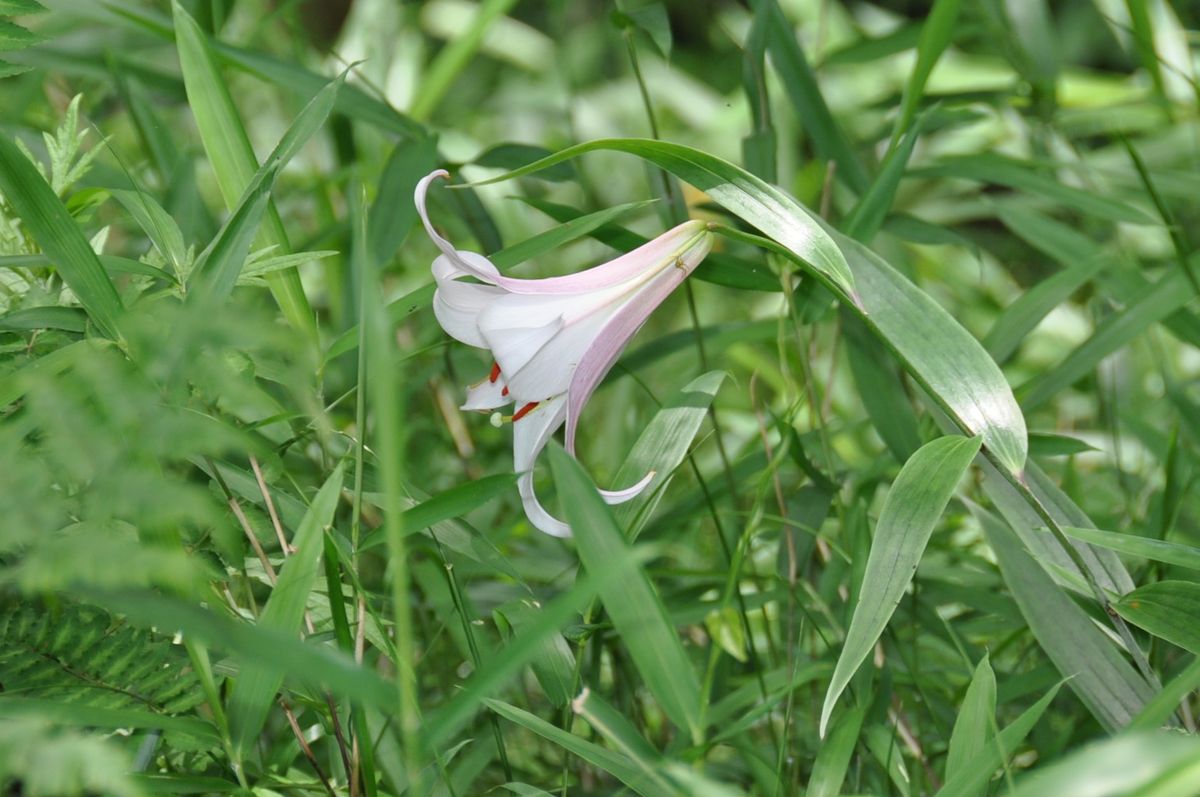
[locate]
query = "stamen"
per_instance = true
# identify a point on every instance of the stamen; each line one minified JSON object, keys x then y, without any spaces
{"x":521,"y":413}
{"x":504,"y":392}
{"x":495,"y":374}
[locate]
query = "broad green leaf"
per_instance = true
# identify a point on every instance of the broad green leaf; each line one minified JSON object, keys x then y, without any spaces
{"x":228,"y":147}
{"x":615,"y":764}
{"x":972,"y":734}
{"x":455,"y":502}
{"x":1129,"y":764}
{"x":1168,"y":609}
{"x":618,"y":730}
{"x":1104,"y":566}
{"x":1100,"y":675}
{"x":957,"y":374}
{"x":913,"y":506}
{"x":220,"y":264}
{"x":217,"y":273}
{"x":662,"y":446}
{"x":1044,"y":444}
{"x":628,"y":596}
{"x":48,"y":221}
{"x":554,"y":664}
{"x":258,"y":680}
{"x":756,"y":202}
{"x":833,"y":758}
{"x":1172,"y":553}
{"x":881,"y":389}
{"x":973,"y":777}
{"x":511,"y":156}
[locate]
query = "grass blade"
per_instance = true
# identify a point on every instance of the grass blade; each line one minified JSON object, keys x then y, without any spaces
{"x":973,"y":728}
{"x":51,"y":225}
{"x":1099,"y":675}
{"x":228,"y":147}
{"x":628,"y":596}
{"x":259,"y":680}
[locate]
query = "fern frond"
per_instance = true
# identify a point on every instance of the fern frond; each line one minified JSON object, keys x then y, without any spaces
{"x":82,"y":655}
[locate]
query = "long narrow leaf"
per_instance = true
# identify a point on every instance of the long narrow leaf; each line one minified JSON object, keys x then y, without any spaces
{"x":259,"y":680}
{"x":51,"y":225}
{"x":913,"y":506}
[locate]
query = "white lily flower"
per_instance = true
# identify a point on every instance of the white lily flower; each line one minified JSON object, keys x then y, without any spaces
{"x":553,"y":340}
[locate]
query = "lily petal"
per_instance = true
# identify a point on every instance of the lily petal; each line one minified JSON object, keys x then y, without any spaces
{"x":620,"y":327}
{"x":487,"y":394}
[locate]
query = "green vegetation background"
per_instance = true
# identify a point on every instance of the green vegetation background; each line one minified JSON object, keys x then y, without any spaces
{"x":925,"y":518}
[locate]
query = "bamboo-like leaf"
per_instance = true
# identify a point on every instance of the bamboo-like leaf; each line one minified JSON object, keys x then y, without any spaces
{"x":228,"y":147}
{"x":662,"y":446}
{"x":258,"y":681}
{"x":1104,"y":681}
{"x":1151,"y":304}
{"x":972,"y":732}
{"x":1172,"y":553}
{"x":912,"y":508}
{"x":1167,"y":609}
{"x":628,"y":596}
{"x":800,"y":83}
{"x":833,"y":759}
{"x":1159,"y":709}
{"x":615,"y":764}
{"x":51,"y":225}
{"x":973,"y":777}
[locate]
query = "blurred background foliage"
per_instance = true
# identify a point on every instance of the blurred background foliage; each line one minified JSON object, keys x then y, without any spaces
{"x":225,"y":404}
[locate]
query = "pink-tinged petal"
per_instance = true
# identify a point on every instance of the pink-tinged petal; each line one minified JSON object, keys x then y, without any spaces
{"x":487,"y":395}
{"x":530,"y":435}
{"x":619,"y":329}
{"x":627,"y":267}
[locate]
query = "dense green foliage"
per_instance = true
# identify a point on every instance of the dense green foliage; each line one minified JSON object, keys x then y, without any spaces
{"x":924,"y":426}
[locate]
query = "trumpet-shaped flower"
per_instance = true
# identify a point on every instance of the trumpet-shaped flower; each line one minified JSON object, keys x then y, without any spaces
{"x":553,"y":340}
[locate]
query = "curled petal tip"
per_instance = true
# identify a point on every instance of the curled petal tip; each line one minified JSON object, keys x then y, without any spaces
{"x":613,"y":497}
